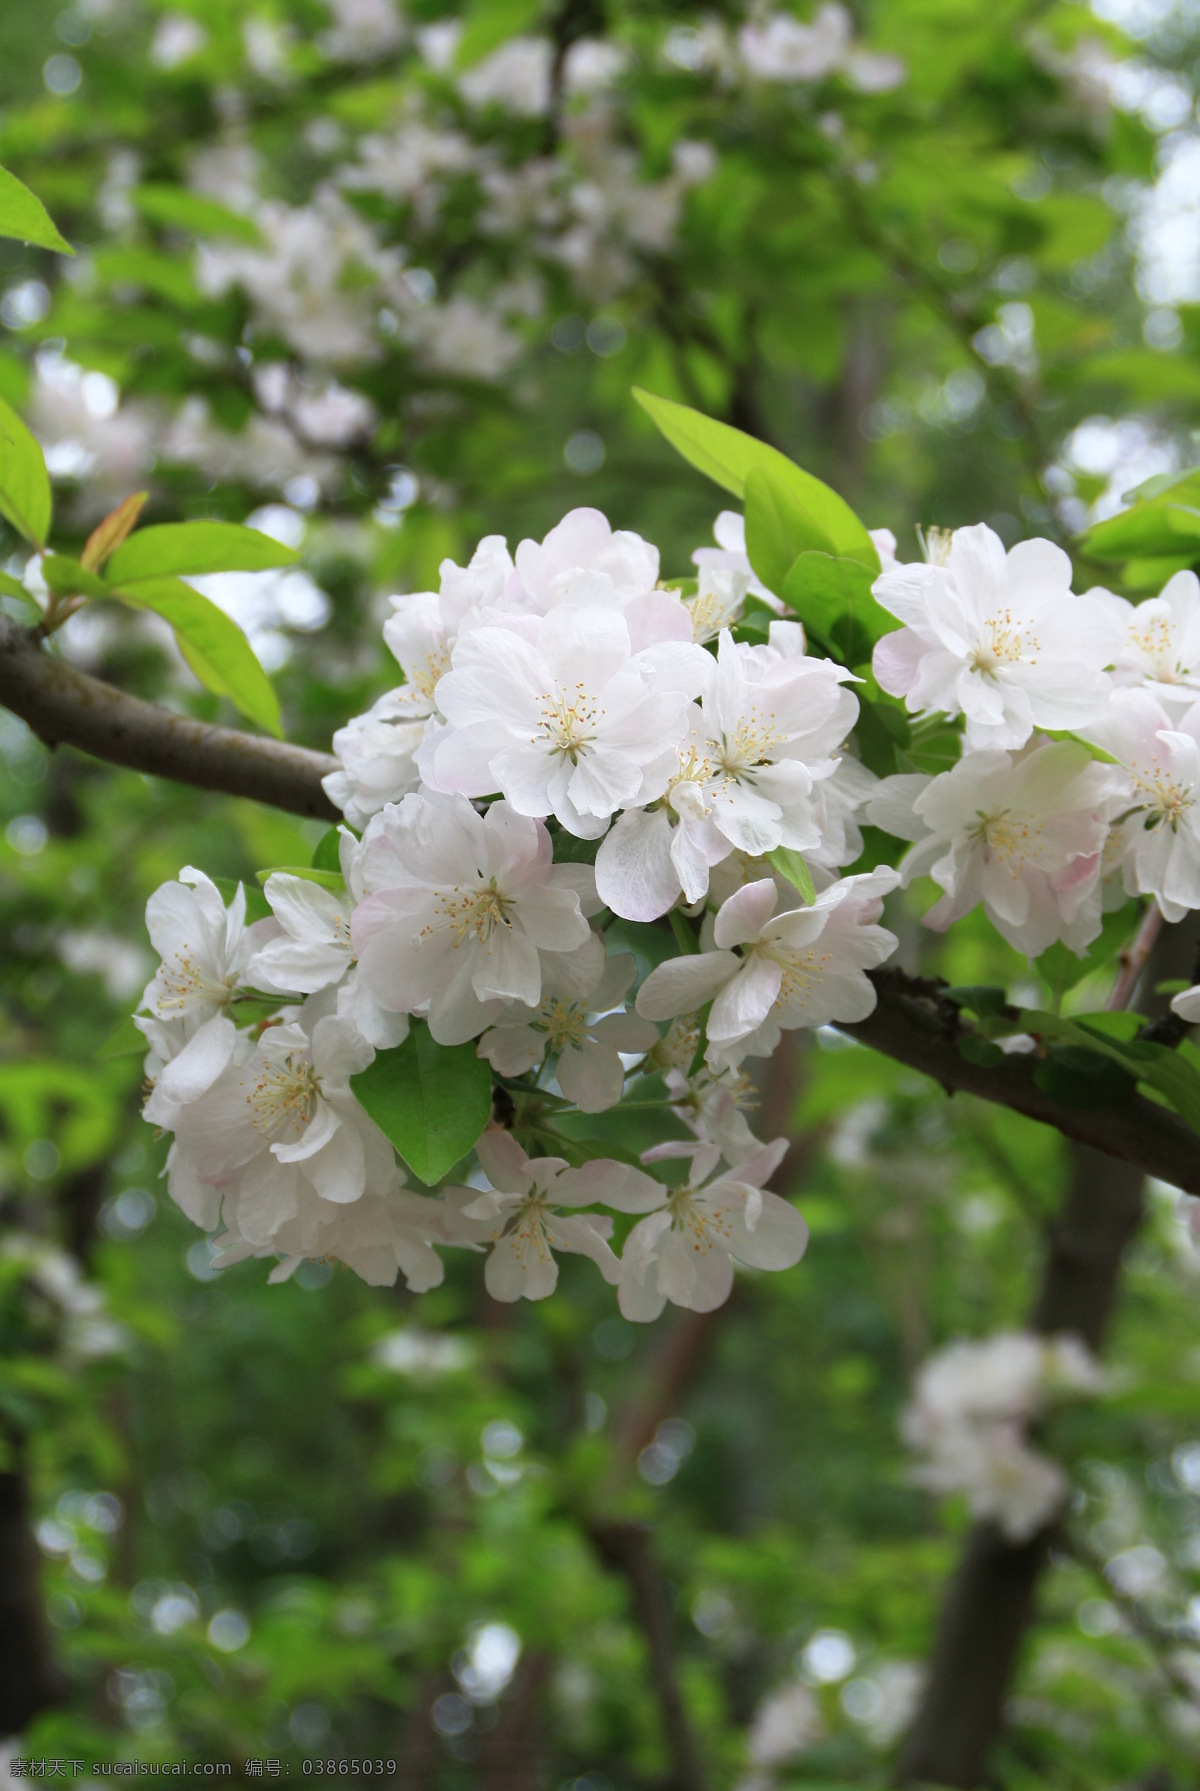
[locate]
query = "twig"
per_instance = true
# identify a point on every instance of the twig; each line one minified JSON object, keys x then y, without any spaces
{"x":1133,"y":959}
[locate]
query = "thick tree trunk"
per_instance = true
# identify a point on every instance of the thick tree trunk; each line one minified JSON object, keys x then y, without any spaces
{"x":29,"y":1682}
{"x":990,"y":1603}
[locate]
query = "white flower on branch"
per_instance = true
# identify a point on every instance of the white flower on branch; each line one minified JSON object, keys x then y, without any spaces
{"x":997,"y":637}
{"x":772,"y":971}
{"x":458,"y":910}
{"x":1160,"y":754}
{"x":203,"y":946}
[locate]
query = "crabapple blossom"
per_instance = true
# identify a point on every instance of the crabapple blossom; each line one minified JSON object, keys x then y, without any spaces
{"x":458,"y":910}
{"x":1159,"y":644}
{"x":1020,"y":833}
{"x":563,"y":716}
{"x":280,"y":1126}
{"x":312,"y":948}
{"x":684,"y":1249}
{"x":518,"y":1214}
{"x":378,"y":1236}
{"x":997,"y":637}
{"x":770,"y":720}
{"x":967,"y":1421}
{"x":581,"y":1021}
{"x":378,"y":753}
{"x":203,"y":946}
{"x":1160,"y":755}
{"x":772,"y":971}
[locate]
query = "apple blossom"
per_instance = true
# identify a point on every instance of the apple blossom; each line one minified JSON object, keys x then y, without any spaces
{"x":997,"y":637}
{"x":1160,"y":755}
{"x":203,"y":946}
{"x":775,"y":971}
{"x":1020,"y":833}
{"x":1159,"y":644}
{"x":683,"y":1250}
{"x":458,"y":910}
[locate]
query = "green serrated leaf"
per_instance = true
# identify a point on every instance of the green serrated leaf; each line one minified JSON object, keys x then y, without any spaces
{"x":24,"y":481}
{"x":433,"y":1101}
{"x":791,"y":865}
{"x":778,"y":526}
{"x":728,"y":456}
{"x":23,"y":216}
{"x":213,"y":646}
{"x":123,"y":1041}
{"x":182,"y":209}
{"x":332,"y":880}
{"x":12,"y":587}
{"x":832,"y":597}
{"x":175,"y":549}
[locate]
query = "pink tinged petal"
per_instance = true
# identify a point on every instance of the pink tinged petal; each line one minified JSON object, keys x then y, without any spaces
{"x":517,"y":1266}
{"x":777,"y":1239}
{"x":606,"y":1182}
{"x":456,"y":1013}
{"x":504,"y":1162}
{"x":758,"y":1169}
{"x":581,"y":1236}
{"x":591,"y":1076}
{"x":512,"y":1050}
{"x":338,"y":1170}
{"x":507,"y":968}
{"x":625,"y":1032}
{"x":743,"y":917}
{"x":196,"y":1068}
{"x":896,"y":661}
{"x":635,"y":876}
{"x":682,"y":985}
{"x":551,"y":917}
{"x":746,"y":1001}
{"x":320,"y":1129}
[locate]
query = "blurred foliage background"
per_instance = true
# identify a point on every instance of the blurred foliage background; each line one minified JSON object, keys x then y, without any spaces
{"x":381,"y":280}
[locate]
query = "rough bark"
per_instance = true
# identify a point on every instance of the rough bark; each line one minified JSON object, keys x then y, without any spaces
{"x":66,"y":707}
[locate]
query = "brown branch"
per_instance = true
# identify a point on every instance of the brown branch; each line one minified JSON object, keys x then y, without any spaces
{"x":912,"y":1024}
{"x":66,"y":707}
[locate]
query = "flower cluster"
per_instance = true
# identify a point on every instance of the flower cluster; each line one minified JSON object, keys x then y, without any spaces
{"x":969,"y":1419}
{"x":576,"y":751}
{"x":1045,"y":832}
{"x":604,"y":838}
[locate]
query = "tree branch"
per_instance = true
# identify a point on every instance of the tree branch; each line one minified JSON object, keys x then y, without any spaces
{"x":912,"y":1024}
{"x":66,"y":707}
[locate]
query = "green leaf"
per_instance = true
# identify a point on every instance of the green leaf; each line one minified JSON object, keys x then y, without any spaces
{"x":22,"y":215}
{"x":431,"y":1100}
{"x":123,"y":1041}
{"x":257,"y":905}
{"x":778,"y":526}
{"x":789,"y":864}
{"x":213,"y":645}
{"x":24,"y":481}
{"x":490,"y":23}
{"x":12,"y":587}
{"x":327,"y":855}
{"x":332,"y":880}
{"x":191,"y":548}
{"x":69,"y":578}
{"x":728,"y":456}
{"x":182,"y":209}
{"x":832,"y":597}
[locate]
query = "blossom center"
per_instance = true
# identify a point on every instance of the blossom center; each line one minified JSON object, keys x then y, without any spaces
{"x":1007,"y":643}
{"x":563,"y":1022}
{"x":750,"y":744}
{"x":802,"y":970}
{"x":1168,"y":801}
{"x":184,"y":982}
{"x":705,"y":1224}
{"x":285,"y":1093}
{"x":474,"y":913}
{"x":1006,"y":836}
{"x":570,"y":720}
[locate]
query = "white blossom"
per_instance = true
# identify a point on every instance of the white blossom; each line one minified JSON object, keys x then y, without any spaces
{"x":581,"y":1021}
{"x":1159,"y":643}
{"x":1160,"y":754}
{"x":519,"y":1215}
{"x":997,"y":637}
{"x":775,"y":971}
{"x":769,"y":723}
{"x":1020,"y":833}
{"x":683,"y":1250}
{"x":458,"y":910}
{"x":378,"y":753}
{"x":203,"y":946}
